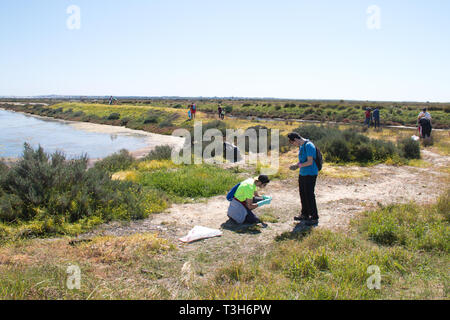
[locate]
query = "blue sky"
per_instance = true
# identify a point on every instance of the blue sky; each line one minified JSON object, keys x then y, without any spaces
{"x":285,"y":49}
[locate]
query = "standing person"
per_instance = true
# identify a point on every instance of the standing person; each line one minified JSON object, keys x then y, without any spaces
{"x":189,"y":114}
{"x":191,"y":111}
{"x":194,"y":110}
{"x":246,"y":198}
{"x":368,"y":117}
{"x":219,"y":110}
{"x":222,"y":114}
{"x":376,"y":118}
{"x":110,"y":100}
{"x":424,"y":123}
{"x":307,"y":178}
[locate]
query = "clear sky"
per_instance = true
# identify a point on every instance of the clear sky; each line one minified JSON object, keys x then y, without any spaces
{"x":301,"y":49}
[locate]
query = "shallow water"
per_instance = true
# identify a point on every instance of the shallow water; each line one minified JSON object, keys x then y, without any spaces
{"x":52,"y":135}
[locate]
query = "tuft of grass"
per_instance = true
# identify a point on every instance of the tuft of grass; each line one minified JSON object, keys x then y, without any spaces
{"x":410,"y":225}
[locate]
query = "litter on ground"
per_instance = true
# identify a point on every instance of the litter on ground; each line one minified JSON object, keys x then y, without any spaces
{"x":199,"y":232}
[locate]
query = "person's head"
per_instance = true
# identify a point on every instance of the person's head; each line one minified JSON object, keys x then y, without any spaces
{"x":295,"y":139}
{"x":262,"y":181}
{"x":424,"y":110}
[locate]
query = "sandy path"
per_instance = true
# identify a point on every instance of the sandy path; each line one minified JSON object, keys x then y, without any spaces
{"x":338,"y":200}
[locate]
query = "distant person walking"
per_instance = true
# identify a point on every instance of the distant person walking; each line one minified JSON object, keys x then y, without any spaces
{"x":219,"y":111}
{"x":110,"y":100}
{"x":368,"y":119}
{"x":307,"y":178}
{"x":376,"y":118}
{"x":424,"y":124}
{"x":222,"y":114}
{"x":189,"y":114}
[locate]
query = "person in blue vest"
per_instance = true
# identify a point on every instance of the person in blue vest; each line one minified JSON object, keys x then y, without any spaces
{"x":376,"y":118}
{"x":307,"y":178}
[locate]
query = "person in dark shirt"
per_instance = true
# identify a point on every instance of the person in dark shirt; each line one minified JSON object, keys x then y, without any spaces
{"x":376,"y":118}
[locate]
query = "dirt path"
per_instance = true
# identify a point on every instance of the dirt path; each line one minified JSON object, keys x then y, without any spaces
{"x":338,"y":201}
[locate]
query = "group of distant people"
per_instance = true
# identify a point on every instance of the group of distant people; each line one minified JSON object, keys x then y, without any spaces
{"x":372,"y":117}
{"x":112,"y":100}
{"x":192,"y":109}
{"x":423,"y":121}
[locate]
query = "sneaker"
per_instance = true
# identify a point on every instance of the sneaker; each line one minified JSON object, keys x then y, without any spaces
{"x":312,"y":222}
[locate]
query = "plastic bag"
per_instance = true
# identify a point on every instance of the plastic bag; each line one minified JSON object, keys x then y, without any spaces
{"x":199,"y":232}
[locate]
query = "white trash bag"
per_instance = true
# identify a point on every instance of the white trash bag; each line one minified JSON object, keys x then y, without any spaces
{"x":415,"y":138}
{"x":199,"y":232}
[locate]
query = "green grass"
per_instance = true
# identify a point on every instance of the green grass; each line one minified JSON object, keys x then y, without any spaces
{"x":191,"y":181}
{"x":408,"y":243}
{"x":410,"y":225}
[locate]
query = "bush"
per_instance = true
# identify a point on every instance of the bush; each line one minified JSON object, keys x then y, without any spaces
{"x":121,"y":160}
{"x":151,"y":119}
{"x":347,"y":145}
{"x":166,"y":123}
{"x":40,"y":186}
{"x":114,"y":116}
{"x":159,"y":153}
{"x":409,"y":148}
{"x":228,"y":109}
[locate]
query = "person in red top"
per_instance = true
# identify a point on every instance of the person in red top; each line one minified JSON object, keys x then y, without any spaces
{"x":193,"y":109}
{"x":368,"y":117}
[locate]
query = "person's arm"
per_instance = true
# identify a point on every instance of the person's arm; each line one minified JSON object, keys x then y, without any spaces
{"x":250,"y":204}
{"x":309,"y":162}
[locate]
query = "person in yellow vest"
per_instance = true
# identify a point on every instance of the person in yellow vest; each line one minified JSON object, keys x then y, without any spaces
{"x":246,"y":199}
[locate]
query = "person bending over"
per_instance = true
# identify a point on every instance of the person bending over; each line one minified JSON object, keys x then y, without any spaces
{"x":246,"y":199}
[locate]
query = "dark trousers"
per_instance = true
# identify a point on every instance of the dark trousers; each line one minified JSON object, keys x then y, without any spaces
{"x":251,"y":217}
{"x":376,"y":122}
{"x":307,"y":185}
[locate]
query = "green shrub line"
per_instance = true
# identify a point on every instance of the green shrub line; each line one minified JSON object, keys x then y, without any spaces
{"x":342,"y":146}
{"x":43,"y":195}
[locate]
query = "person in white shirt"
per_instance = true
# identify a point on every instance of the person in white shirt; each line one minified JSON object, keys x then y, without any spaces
{"x":424,"y":123}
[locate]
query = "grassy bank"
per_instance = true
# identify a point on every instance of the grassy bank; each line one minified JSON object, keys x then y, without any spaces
{"x":408,"y":243}
{"x":317,"y":264}
{"x":162,"y":115}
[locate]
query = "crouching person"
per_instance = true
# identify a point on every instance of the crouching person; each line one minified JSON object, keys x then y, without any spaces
{"x":246,"y":199}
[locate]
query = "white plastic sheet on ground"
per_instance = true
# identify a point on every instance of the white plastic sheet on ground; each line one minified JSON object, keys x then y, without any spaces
{"x":199,"y":232}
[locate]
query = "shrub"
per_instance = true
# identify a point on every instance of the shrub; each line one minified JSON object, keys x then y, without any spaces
{"x":121,"y":160}
{"x":124,"y":121}
{"x":228,"y":109}
{"x":151,"y":119}
{"x":114,"y":116}
{"x":409,"y":148}
{"x":40,"y":186}
{"x":347,"y":145}
{"x":166,"y":123}
{"x":160,"y":153}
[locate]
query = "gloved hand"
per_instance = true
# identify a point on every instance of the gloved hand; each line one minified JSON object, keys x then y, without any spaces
{"x":264,"y":202}
{"x":267,"y":197}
